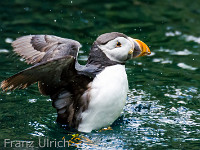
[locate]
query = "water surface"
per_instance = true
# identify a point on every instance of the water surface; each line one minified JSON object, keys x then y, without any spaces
{"x":162,"y":109}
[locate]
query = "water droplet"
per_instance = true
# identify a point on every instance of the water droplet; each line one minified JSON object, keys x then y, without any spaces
{"x":22,"y":59}
{"x":48,"y":100}
{"x":32,"y":100}
{"x":26,"y":8}
{"x":54,"y":20}
{"x":8,"y":93}
{"x":71,"y":2}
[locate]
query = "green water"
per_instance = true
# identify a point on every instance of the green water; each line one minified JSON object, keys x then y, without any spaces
{"x":162,"y":110}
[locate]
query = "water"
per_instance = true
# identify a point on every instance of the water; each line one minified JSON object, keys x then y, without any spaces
{"x":162,"y":110}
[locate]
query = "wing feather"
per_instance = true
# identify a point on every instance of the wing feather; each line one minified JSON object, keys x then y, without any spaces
{"x":41,"y":48}
{"x":48,"y":72}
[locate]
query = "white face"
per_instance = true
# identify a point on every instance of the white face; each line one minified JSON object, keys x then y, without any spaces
{"x":117,"y":49}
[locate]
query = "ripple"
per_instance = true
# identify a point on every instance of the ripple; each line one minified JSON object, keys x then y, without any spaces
{"x":162,"y":61}
{"x":144,"y":111}
{"x":164,"y":50}
{"x":4,"y":51}
{"x":188,"y":38}
{"x":192,"y":38}
{"x":39,"y":129}
{"x":179,"y":116}
{"x":184,"y":52}
{"x":176,"y":33}
{"x":180,"y":53}
{"x":184,"y":66}
{"x":178,"y":93}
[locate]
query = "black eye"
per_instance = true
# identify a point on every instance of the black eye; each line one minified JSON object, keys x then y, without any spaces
{"x":118,"y":44}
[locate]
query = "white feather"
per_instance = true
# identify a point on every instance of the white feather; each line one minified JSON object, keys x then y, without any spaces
{"x":114,"y":53}
{"x":107,"y":98}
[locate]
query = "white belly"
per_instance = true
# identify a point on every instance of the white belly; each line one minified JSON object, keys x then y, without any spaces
{"x":107,"y":98}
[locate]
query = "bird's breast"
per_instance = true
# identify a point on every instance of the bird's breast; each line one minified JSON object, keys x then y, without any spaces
{"x":107,"y":98}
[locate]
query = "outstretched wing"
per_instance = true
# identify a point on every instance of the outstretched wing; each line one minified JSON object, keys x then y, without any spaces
{"x":47,"y":73}
{"x":50,"y":55}
{"x":54,"y":61}
{"x":41,"y":48}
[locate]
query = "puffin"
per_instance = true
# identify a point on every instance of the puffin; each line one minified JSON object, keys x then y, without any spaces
{"x":87,"y":97}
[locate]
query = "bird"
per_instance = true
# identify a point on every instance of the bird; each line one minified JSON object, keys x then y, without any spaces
{"x":87,"y":97}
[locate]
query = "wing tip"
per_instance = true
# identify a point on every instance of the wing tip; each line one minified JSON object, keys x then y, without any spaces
{"x":26,"y":38}
{"x":4,"y":85}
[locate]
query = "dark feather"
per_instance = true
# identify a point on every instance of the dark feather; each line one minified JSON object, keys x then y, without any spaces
{"x":72,"y":100}
{"x":106,"y":37}
{"x":47,"y":72}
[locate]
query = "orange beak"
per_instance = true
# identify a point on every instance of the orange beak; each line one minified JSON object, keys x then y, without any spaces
{"x":140,"y":48}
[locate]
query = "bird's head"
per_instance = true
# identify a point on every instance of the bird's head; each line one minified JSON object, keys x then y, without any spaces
{"x":119,"y":48}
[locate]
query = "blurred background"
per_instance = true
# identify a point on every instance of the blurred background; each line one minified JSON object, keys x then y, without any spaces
{"x":162,"y":110}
